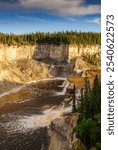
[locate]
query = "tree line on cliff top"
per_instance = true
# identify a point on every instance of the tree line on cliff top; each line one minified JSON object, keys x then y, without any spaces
{"x":57,"y":38}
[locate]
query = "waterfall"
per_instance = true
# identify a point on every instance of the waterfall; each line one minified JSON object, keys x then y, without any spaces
{"x":64,"y":85}
{"x":16,"y":89}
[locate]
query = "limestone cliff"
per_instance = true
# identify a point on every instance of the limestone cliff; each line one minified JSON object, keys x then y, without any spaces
{"x":56,"y":52}
{"x":80,"y":50}
{"x":16,"y":52}
{"x":18,"y":62}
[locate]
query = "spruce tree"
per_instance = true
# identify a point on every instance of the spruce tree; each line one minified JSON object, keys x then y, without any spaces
{"x":81,"y":106}
{"x":74,"y":100}
{"x":96,"y":96}
{"x":87,"y":97}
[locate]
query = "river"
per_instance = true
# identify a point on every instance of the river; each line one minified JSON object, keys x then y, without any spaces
{"x":27,"y":110}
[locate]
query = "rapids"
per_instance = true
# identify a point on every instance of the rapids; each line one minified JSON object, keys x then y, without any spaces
{"x":26,"y":112}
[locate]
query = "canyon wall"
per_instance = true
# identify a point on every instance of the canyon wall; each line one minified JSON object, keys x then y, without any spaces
{"x":79,"y":50}
{"x":56,"y":52}
{"x":18,"y":63}
{"x":15,"y":52}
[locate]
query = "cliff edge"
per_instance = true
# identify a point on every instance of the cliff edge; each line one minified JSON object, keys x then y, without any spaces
{"x":61,"y":132}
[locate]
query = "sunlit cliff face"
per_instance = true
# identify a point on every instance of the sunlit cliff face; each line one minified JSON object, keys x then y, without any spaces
{"x":61,"y":52}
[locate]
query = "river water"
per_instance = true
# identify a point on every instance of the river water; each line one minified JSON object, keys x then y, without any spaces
{"x":27,"y":110}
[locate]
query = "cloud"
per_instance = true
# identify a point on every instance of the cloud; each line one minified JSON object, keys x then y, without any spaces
{"x":10,"y":5}
{"x":31,"y":18}
{"x":60,"y":7}
{"x":71,"y":19}
{"x":9,"y":1}
{"x":6,"y":22}
{"x":95,"y":21}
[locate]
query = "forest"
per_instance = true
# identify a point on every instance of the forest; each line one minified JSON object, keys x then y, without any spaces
{"x":57,"y":38}
{"x":88,"y":128}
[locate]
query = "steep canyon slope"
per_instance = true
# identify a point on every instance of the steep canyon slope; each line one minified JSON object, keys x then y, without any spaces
{"x":24,"y":63}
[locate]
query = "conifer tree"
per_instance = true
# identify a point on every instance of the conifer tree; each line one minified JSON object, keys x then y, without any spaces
{"x":88,"y":125}
{"x":81,"y":106}
{"x":74,"y":101}
{"x":90,"y":101}
{"x":87,"y":97}
{"x":96,"y":96}
{"x":72,"y":37}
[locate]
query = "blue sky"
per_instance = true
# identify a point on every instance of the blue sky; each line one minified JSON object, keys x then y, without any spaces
{"x":24,"y":16}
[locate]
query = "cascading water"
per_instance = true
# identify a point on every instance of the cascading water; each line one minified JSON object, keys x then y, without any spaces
{"x":64,"y":85}
{"x":24,"y":121}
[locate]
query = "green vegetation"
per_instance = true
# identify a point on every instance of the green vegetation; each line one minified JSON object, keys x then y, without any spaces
{"x":56,"y":38}
{"x":74,"y":103}
{"x":88,"y":131}
{"x":88,"y":126}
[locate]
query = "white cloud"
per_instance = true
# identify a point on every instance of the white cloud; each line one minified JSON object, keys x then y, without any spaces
{"x":95,"y":21}
{"x":63,"y":7}
{"x":6,"y":22}
{"x":60,"y":7}
{"x":31,"y":18}
{"x":71,"y":19}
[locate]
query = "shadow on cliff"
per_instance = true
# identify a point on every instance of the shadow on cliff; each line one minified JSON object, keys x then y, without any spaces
{"x":44,"y":57}
{"x":57,"y":67}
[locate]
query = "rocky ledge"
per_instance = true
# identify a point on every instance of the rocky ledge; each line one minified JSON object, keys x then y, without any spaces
{"x":61,"y":132}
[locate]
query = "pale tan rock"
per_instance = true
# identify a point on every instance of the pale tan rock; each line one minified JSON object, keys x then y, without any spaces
{"x":57,"y":52}
{"x":18,"y":65}
{"x":22,"y":71}
{"x":61,"y":132}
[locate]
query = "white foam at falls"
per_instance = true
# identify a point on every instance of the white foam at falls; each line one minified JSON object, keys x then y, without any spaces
{"x":27,"y":123}
{"x":16,"y":89}
{"x":66,"y":84}
{"x":68,"y":110}
{"x":45,"y":79}
{"x":27,"y":100}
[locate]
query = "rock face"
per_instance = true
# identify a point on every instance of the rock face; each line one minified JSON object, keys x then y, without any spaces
{"x":79,"y":50}
{"x":18,"y":62}
{"x":9,"y":53}
{"x":56,"y":52}
{"x":22,"y":71}
{"x":61,"y":133}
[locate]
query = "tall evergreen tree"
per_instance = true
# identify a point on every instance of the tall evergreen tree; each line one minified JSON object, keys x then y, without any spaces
{"x":86,"y":97}
{"x":88,"y":125}
{"x":96,"y":96}
{"x":90,"y":101}
{"x":74,"y":100}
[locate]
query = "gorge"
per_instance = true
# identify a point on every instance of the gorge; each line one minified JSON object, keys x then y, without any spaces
{"x":32,"y":93}
{"x":53,"y":60}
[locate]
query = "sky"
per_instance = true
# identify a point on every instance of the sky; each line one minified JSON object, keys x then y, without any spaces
{"x":26,"y":16}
